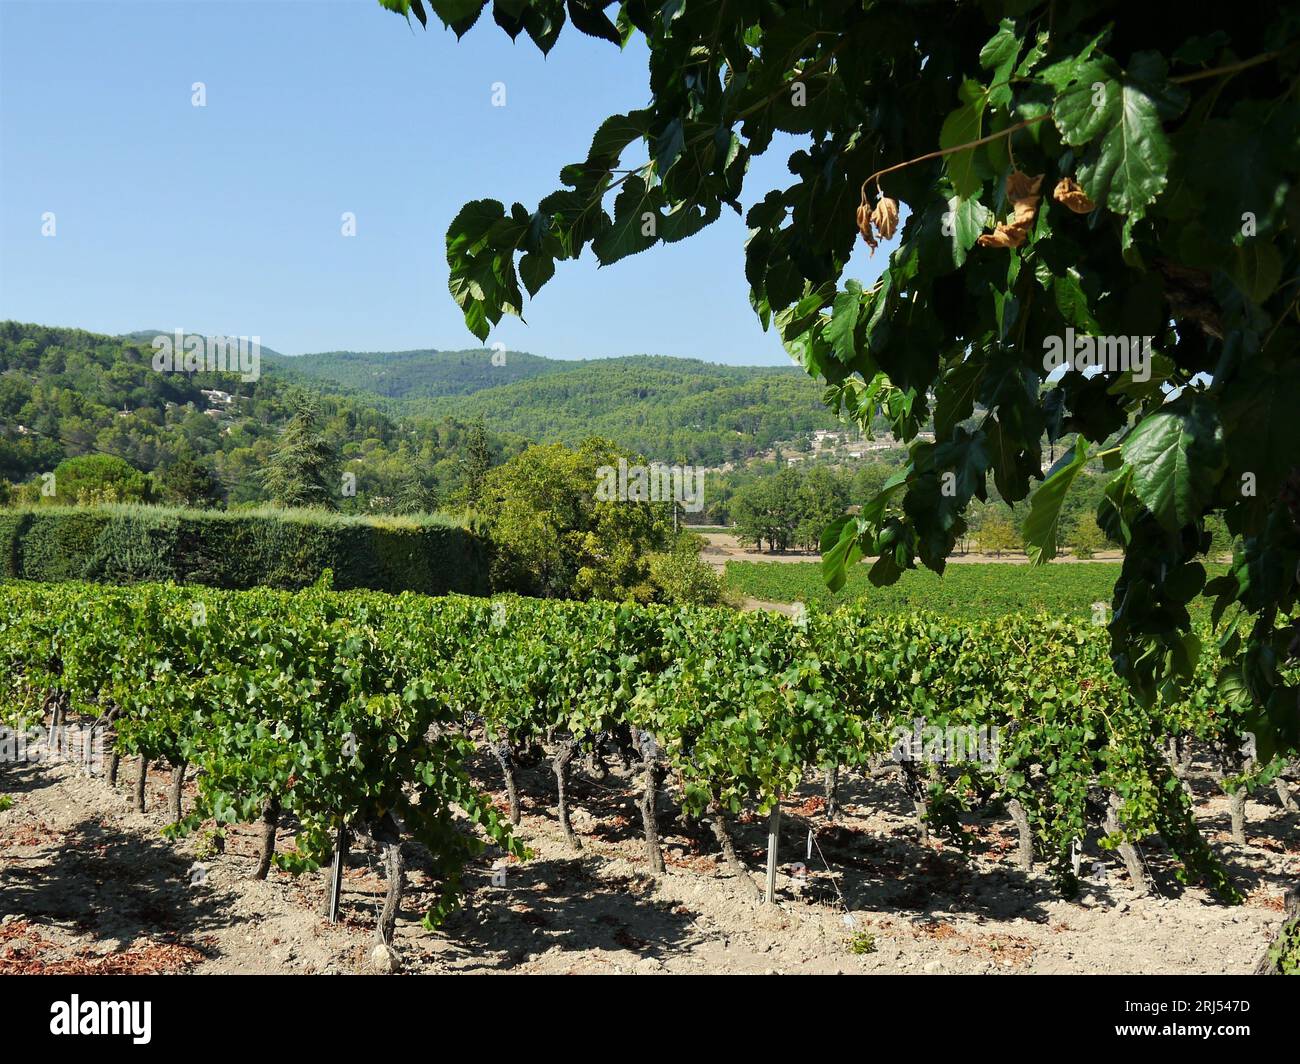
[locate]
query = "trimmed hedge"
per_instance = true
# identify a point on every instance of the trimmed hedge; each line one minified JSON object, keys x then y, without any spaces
{"x":286,"y":549}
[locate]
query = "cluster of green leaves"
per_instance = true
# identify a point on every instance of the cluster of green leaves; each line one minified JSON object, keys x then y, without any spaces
{"x":1185,"y":143}
{"x":740,"y":708}
{"x":682,"y":578}
{"x":790,"y":507}
{"x":553,"y":536}
{"x":1284,"y":953}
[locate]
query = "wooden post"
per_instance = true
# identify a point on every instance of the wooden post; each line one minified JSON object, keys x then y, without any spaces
{"x":773,"y":838}
{"x":336,"y":874}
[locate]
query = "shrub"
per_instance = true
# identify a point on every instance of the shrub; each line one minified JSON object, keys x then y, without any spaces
{"x":681,"y":577}
{"x":270,"y":548}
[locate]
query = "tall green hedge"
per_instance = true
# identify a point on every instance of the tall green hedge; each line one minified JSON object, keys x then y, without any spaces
{"x":284,"y":549}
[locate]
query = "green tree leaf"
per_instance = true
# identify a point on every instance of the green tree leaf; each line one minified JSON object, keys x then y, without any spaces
{"x":1118,"y":114}
{"x":1042,"y":526}
{"x":1257,"y":268}
{"x":840,"y":549}
{"x":1177,"y":456}
{"x":840,"y":330}
{"x":962,"y":126}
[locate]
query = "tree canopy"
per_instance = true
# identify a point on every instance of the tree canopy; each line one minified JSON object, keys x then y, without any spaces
{"x":89,"y":479}
{"x":1107,"y":171}
{"x":553,"y":536}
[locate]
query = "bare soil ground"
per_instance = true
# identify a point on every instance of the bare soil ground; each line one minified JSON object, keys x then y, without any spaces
{"x":722,"y":547}
{"x":89,"y":884}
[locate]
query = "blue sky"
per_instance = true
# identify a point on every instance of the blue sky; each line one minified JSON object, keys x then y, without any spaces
{"x":226,"y":218}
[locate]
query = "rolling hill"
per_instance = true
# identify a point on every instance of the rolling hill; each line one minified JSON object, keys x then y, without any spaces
{"x":417,"y":374}
{"x":393,"y":416}
{"x":669,"y":409}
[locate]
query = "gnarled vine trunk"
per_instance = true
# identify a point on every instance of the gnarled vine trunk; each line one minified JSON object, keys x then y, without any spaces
{"x":832,"y":786}
{"x":1139,"y":881}
{"x":270,"y":822}
{"x":141,"y":777}
{"x":562,"y":763}
{"x":505,"y":758}
{"x":1024,"y":835}
{"x":596,"y":767}
{"x":58,"y":714}
{"x":1236,"y":762}
{"x":918,"y":791}
{"x":1237,"y":814}
{"x":731,"y":858}
{"x":652,"y":772}
{"x":177,"y":792}
{"x":339,"y":861}
{"x":389,"y":836}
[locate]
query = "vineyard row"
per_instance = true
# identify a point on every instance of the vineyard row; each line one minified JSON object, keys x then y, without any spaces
{"x":359,"y":713}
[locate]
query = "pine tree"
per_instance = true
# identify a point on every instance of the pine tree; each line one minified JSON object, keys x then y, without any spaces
{"x":190,"y":483}
{"x":478,"y":458}
{"x":302,"y":470}
{"x":415,"y":496}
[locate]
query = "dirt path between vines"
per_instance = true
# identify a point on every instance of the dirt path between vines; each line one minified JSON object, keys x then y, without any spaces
{"x":89,"y":884}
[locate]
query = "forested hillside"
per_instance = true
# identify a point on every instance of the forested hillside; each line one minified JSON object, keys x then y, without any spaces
{"x":666,"y":408}
{"x":67,"y":392}
{"x":393,"y":417}
{"x":417,"y":374}
{"x":669,"y":409}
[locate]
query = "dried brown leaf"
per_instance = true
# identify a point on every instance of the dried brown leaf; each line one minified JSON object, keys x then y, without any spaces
{"x":864,"y":225}
{"x":885,"y":217}
{"x":1023,"y":195}
{"x":1023,"y":187}
{"x":1004,"y":236}
{"x":1070,"y":193}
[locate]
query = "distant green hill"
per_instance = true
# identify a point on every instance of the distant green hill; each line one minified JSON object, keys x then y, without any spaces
{"x":670,"y":409}
{"x":146,"y":336}
{"x":417,"y":374}
{"x":393,"y":416}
